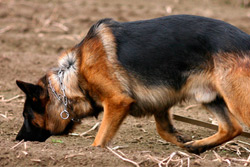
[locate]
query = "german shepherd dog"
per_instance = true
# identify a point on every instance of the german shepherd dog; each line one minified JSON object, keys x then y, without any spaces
{"x":143,"y":68}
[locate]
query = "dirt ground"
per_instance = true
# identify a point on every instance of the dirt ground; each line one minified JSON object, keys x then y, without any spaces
{"x":33,"y":33}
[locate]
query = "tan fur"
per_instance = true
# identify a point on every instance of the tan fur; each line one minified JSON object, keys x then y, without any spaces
{"x":232,"y":75}
{"x":38,"y":121}
{"x":104,"y":87}
{"x":54,"y":122}
{"x":115,"y":70}
{"x":200,"y":87}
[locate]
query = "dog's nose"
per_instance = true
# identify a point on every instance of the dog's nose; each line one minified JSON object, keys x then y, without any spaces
{"x":19,"y":138}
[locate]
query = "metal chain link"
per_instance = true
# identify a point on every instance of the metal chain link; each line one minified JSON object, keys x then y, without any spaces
{"x":53,"y":90}
{"x":62,"y":97}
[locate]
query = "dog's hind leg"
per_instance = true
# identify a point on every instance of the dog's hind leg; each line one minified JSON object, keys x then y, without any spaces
{"x":229,"y":128}
{"x":166,"y":129}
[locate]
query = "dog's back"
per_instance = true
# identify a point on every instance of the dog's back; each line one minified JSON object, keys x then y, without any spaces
{"x":163,"y":49}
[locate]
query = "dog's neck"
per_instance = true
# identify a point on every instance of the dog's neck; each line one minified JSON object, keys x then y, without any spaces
{"x":67,"y":75}
{"x":63,"y":82}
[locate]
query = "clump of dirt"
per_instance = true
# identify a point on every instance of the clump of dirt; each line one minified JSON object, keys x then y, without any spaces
{"x":32,"y":36}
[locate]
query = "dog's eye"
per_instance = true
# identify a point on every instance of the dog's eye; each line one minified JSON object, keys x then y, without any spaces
{"x":34,"y":99}
{"x":35,"y":124}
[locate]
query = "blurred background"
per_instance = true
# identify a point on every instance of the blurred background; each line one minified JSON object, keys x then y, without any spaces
{"x":33,"y":33}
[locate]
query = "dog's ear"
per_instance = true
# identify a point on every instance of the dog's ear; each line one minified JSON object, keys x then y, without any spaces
{"x":30,"y":89}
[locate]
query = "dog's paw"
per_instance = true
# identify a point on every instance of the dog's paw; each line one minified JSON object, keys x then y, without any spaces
{"x":192,"y":147}
{"x":182,"y":139}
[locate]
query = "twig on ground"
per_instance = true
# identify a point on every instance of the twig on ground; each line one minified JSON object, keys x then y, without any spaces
{"x":183,"y":156}
{"x":74,"y":134}
{"x":227,"y":161}
{"x":36,"y":160}
{"x":3,"y":115}
{"x":50,"y":18}
{"x":61,"y":26}
{"x":230,"y":160}
{"x":218,"y":157}
{"x":122,"y":153}
{"x":168,"y":159}
{"x":8,"y":100}
{"x":143,"y":130}
{"x":154,"y":159}
{"x":17,"y":144}
{"x":188,"y":161}
{"x":25,"y":153}
{"x":236,"y":146}
{"x":93,"y":128}
{"x":121,"y":157}
{"x":204,"y":157}
{"x":239,"y":160}
{"x":119,"y":147}
{"x":248,"y":150}
{"x":25,"y":145}
{"x":162,"y":141}
{"x":47,"y":23}
{"x":3,"y":30}
{"x":191,"y":106}
{"x":69,"y":37}
{"x":45,"y":147}
{"x":243,"y":142}
{"x":248,"y":161}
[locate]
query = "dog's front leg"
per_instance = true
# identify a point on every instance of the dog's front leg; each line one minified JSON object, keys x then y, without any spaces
{"x":115,"y":111}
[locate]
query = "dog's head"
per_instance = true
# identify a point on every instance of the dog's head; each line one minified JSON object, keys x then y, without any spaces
{"x":42,"y":112}
{"x":34,"y":113}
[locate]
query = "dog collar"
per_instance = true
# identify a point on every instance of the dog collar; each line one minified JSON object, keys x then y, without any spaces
{"x":62,"y":97}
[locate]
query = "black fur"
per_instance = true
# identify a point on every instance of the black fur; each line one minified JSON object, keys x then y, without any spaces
{"x":163,"y":50}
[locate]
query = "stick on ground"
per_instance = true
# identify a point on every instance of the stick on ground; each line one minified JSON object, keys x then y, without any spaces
{"x":248,"y":161}
{"x":93,"y":128}
{"x":121,"y":157}
{"x":17,"y":144}
{"x":3,"y":30}
{"x":13,"y":98}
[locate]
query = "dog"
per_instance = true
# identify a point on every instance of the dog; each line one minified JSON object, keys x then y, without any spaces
{"x":143,"y":68}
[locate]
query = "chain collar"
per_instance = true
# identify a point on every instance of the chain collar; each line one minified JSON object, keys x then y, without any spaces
{"x":62,"y":97}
